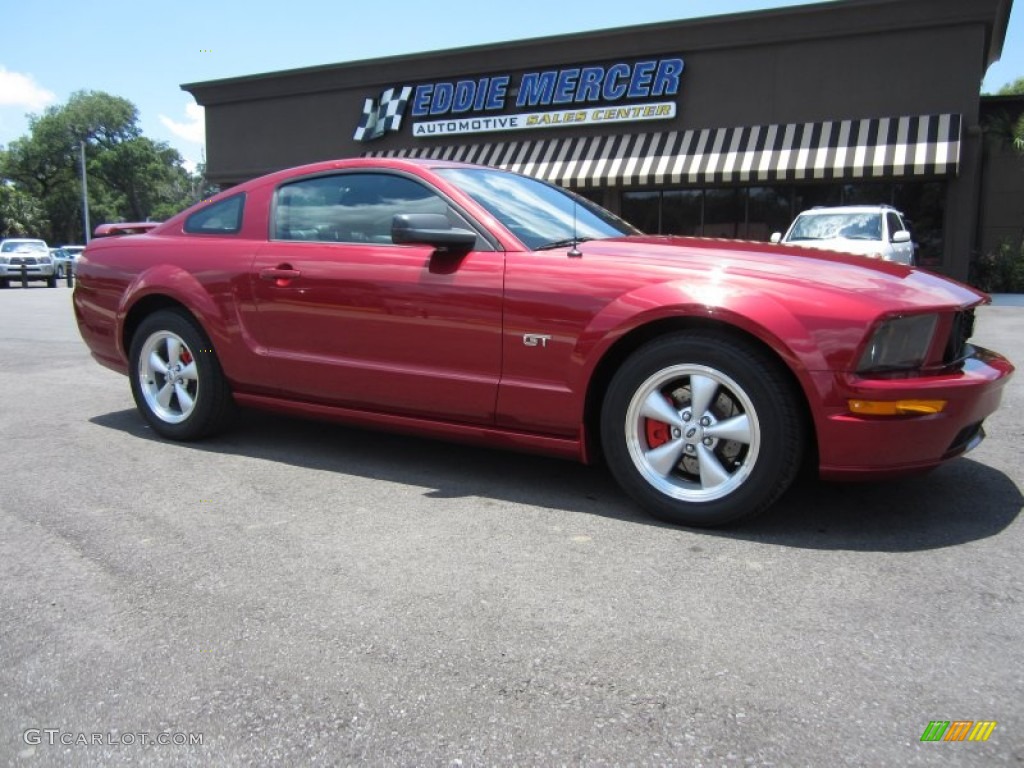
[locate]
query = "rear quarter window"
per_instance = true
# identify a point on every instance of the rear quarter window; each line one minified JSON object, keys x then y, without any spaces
{"x":221,"y":218}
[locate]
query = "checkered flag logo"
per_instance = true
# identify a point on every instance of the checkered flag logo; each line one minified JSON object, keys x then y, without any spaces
{"x":383,"y":114}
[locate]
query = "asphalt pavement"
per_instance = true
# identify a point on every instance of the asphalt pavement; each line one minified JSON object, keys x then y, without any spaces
{"x":297,"y":593}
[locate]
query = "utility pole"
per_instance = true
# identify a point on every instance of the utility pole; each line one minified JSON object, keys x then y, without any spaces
{"x":85,"y":195}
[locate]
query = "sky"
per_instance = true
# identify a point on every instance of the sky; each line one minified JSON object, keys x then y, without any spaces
{"x":144,"y":51}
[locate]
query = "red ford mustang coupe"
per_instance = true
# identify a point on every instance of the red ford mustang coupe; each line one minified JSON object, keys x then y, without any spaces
{"x":469,"y":303}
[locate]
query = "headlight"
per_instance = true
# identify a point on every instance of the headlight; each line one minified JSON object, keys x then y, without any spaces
{"x":901,"y":343}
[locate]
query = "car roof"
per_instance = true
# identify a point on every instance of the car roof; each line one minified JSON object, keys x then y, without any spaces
{"x":351,"y":163}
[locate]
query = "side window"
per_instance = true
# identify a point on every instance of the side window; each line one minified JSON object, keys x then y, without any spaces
{"x":350,"y":207}
{"x":220,"y":218}
{"x":895,"y":225}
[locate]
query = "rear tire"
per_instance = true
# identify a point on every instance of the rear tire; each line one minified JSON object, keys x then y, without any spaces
{"x":702,"y":429}
{"x":176,"y":378}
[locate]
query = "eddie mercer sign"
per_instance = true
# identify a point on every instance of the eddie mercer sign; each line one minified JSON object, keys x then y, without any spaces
{"x":619,"y":92}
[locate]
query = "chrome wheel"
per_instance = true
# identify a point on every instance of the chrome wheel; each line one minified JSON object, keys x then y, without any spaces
{"x":177,"y":381}
{"x":168,"y":378}
{"x":702,"y":427}
{"x":693,"y":433}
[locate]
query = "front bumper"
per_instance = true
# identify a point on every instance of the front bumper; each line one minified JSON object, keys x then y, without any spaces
{"x":853,"y":446}
{"x":32,"y":271}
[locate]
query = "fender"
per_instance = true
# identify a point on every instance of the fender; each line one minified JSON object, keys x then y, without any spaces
{"x":779,"y":327}
{"x":183,"y":287}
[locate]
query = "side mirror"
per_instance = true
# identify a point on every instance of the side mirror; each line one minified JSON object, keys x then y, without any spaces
{"x":430,"y":229}
{"x":901,"y":237}
{"x":776,"y":237}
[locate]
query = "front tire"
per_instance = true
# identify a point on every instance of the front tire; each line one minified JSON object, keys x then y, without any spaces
{"x":702,"y":429}
{"x":176,"y":379}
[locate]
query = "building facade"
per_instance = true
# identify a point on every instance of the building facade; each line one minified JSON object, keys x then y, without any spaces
{"x":720,"y":127}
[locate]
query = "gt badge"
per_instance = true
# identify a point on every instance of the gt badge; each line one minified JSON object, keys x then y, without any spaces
{"x":536,"y":339}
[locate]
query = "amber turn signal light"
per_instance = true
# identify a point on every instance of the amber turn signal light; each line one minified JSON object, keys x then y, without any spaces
{"x":896,"y":407}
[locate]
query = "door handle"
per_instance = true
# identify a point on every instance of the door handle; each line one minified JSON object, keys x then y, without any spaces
{"x":281,"y":274}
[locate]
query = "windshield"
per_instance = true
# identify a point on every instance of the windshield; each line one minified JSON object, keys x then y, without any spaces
{"x":22,"y":246}
{"x":538,"y":213}
{"x":829,"y":226}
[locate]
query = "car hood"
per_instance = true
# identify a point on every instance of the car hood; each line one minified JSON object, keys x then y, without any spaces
{"x":788,"y":271}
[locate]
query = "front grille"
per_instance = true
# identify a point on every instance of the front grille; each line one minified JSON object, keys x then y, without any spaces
{"x":29,"y":261}
{"x":957,"y":347}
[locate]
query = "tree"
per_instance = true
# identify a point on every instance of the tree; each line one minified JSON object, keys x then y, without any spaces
{"x":21,"y":215}
{"x":148,"y":176}
{"x":1016,"y":88}
{"x":131,"y":177}
{"x":201,"y":188}
{"x":1016,"y":131}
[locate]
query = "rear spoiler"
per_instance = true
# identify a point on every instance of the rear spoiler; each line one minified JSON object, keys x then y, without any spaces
{"x":125,"y":228}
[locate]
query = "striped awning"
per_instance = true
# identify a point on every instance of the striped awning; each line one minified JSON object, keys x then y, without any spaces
{"x":872,"y":148}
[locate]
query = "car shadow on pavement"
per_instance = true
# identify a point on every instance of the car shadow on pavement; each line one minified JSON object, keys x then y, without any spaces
{"x":961,"y":502}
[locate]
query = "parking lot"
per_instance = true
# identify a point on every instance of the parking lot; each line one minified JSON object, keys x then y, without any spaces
{"x":305,"y":594}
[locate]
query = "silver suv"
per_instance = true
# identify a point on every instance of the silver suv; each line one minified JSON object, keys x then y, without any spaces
{"x":876,"y":231}
{"x":32,"y":258}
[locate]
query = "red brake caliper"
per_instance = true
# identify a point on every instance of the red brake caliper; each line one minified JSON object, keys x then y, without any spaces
{"x":657,"y":431}
{"x":186,"y":356}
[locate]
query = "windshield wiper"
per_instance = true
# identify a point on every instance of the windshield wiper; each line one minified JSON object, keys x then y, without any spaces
{"x":568,"y":242}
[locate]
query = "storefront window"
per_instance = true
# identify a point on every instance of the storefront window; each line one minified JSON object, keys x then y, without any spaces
{"x":724,"y":212}
{"x":754,"y":213}
{"x":682,"y":211}
{"x":769,"y":209}
{"x":867,"y":194}
{"x":593,"y":194}
{"x":643,"y":211}
{"x":923,"y":203}
{"x":808,"y":196}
